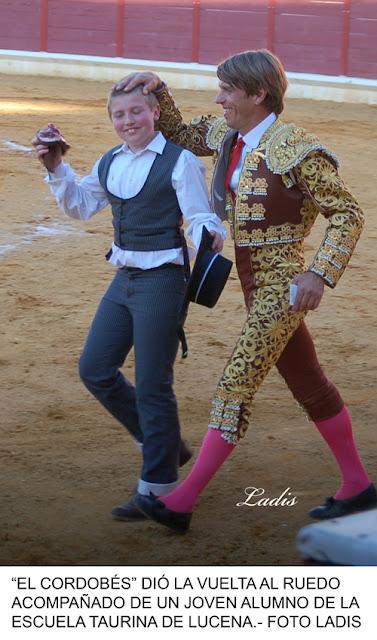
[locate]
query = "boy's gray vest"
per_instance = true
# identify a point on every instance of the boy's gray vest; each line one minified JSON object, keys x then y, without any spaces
{"x":150,"y":221}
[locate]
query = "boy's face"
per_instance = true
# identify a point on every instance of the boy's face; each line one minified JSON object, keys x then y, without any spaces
{"x":133,"y":119}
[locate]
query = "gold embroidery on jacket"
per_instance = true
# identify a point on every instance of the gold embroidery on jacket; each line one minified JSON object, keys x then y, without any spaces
{"x":287,"y":180}
{"x":245,"y":212}
{"x":252,"y":160}
{"x":216,"y":133}
{"x":288,"y":145}
{"x":275,"y":234}
{"x":320,"y":179}
{"x":191,"y":136}
{"x":248,"y":186}
{"x":259,"y":187}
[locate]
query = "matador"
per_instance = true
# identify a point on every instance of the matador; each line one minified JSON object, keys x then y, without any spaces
{"x":271,"y":180}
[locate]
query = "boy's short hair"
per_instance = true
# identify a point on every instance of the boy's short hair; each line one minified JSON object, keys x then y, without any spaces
{"x":150,"y":98}
{"x":256,"y":70}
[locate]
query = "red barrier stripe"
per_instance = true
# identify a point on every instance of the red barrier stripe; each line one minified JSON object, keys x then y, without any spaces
{"x":345,"y":38}
{"x":271,"y":25}
{"x":43,"y":43}
{"x":195,"y":30}
{"x":120,"y":28}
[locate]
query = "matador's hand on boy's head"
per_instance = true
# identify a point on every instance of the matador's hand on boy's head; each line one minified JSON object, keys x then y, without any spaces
{"x":148,"y":79}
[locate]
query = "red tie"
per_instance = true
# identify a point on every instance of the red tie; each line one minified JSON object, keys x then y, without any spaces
{"x":234,"y":160}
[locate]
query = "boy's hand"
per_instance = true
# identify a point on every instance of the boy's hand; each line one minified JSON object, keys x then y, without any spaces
{"x":50,"y":146}
{"x":150,"y":80}
{"x":218,"y":242}
{"x":49,"y":156}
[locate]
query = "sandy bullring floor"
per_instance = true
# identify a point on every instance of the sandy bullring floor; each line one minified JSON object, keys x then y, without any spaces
{"x":65,"y":463}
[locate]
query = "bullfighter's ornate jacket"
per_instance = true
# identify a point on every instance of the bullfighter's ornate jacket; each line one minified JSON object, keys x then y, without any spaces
{"x":284,"y":183}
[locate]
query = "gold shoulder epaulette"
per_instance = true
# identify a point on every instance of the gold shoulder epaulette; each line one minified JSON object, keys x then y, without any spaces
{"x":216,"y":133}
{"x":289,"y":145}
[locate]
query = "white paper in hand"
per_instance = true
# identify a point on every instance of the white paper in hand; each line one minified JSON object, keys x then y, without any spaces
{"x":292,"y":294}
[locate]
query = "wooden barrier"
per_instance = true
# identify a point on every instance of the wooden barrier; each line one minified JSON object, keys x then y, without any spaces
{"x":310,"y":36}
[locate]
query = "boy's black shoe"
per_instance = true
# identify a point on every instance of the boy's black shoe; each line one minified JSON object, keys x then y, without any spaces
{"x":127,"y":511}
{"x":151,"y":507}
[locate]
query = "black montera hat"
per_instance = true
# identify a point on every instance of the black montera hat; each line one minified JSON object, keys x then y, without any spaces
{"x":209,"y":275}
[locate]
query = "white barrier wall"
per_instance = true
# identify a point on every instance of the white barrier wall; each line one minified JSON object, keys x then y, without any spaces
{"x":179,"y":75}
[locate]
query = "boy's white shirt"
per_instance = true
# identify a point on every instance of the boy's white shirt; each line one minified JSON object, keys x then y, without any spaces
{"x":81,"y":198}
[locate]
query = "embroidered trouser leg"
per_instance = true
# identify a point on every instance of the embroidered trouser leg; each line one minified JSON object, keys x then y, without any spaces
{"x":267,"y":330}
{"x":264,"y":335}
{"x":139,"y":309}
{"x":298,"y":363}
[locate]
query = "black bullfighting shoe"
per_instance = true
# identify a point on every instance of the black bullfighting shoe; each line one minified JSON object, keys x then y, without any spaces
{"x":127,"y":512}
{"x":151,"y":507}
{"x":333,"y":508}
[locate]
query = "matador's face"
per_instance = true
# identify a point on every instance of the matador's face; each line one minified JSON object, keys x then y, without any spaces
{"x":241,"y":111}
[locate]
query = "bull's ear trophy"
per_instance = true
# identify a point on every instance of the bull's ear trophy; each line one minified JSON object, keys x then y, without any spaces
{"x":51,"y":136}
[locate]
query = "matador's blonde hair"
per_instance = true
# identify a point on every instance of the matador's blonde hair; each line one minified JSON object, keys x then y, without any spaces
{"x":256,"y":70}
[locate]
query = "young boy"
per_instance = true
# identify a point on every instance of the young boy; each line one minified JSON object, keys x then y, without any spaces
{"x":151,"y":185}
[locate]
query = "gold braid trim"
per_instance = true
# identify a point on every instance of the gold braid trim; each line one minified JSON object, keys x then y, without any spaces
{"x":287,"y":145}
{"x":320,"y":180}
{"x":274,"y":234}
{"x":216,"y":133}
{"x":191,"y":136}
{"x":227,"y":414}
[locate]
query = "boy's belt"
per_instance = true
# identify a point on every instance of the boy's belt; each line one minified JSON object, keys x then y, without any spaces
{"x":160,"y":266}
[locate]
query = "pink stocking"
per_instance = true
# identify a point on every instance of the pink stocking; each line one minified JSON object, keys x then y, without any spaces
{"x":213,"y":453}
{"x":337,"y":432}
